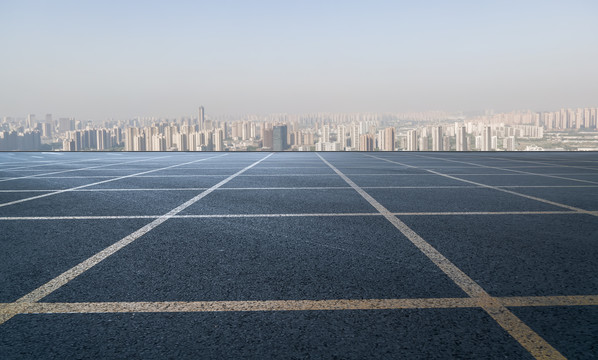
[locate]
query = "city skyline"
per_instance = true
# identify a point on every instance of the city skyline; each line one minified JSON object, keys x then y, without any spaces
{"x":566,"y":129}
{"x":112,"y":61}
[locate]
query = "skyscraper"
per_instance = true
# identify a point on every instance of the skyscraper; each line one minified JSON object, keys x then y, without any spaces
{"x":279,"y":138}
{"x":461,"y":139}
{"x":437,"y":138}
{"x":366,"y":142}
{"x":412,"y":140}
{"x":388,"y":139}
{"x":219,"y":140}
{"x":487,"y":139}
{"x":201,"y":119}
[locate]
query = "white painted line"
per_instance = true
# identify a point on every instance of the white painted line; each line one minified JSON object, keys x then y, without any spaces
{"x":529,"y":339}
{"x":457,"y":187}
{"x":279,"y":175}
{"x":291,"y":305}
{"x":79,"y":169}
{"x":495,"y":188}
{"x":552,"y":164}
{"x":101,"y":182}
{"x":230,"y":216}
{"x":517,"y":171}
{"x":77,"y":270}
{"x":50,"y":163}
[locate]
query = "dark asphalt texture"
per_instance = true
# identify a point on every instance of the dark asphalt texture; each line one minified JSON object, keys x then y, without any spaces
{"x":297,"y":258}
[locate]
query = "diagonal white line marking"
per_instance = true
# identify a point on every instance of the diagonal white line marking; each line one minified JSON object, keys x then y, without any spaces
{"x":529,"y":339}
{"x":551,"y":164}
{"x":494,"y":187}
{"x":512,"y":170}
{"x":103,"y":181}
{"x":78,"y":169}
{"x":77,"y":270}
{"x":51,"y":162}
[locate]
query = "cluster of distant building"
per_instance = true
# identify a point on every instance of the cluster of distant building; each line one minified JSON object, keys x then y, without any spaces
{"x":433,"y":131}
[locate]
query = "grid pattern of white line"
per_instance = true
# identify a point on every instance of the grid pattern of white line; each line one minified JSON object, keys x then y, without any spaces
{"x":53,"y":162}
{"x":101,"y":182}
{"x":72,"y":170}
{"x":64,"y":278}
{"x":556,"y":165}
{"x":573,"y":208}
{"x":507,"y":169}
{"x":529,"y":339}
{"x":301,"y":188}
{"x":494,"y":306}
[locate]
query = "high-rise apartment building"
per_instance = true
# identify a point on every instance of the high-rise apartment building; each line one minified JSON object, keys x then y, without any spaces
{"x":412,"y":140}
{"x":354,"y":134}
{"x":423,"y":143}
{"x":487,"y":139}
{"x":342,"y":136}
{"x":219,"y":140}
{"x":366,"y":142}
{"x":387,"y":142}
{"x":461,"y":144}
{"x":325,"y":134}
{"x":437,"y":138}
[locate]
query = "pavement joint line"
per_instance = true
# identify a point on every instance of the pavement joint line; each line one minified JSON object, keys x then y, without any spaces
{"x":62,"y":279}
{"x":290,"y":305}
{"x":290,"y":175}
{"x":61,"y":171}
{"x":95,"y":167}
{"x":51,"y":162}
{"x":101,"y":182}
{"x":517,"y":171}
{"x":529,"y":339}
{"x":573,"y":208}
{"x":219,"y":216}
{"x":456,"y":187}
{"x":552,"y":164}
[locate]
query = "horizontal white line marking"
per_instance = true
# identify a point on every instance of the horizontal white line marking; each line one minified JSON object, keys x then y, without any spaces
{"x":300,"y":188}
{"x":529,"y":339}
{"x":62,"y":279}
{"x":494,"y":187}
{"x":102,"y":182}
{"x":209,"y":216}
{"x":290,"y":305}
{"x":291,"y":175}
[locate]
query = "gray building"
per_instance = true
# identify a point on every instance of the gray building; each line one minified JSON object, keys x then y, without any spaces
{"x":279,"y":138}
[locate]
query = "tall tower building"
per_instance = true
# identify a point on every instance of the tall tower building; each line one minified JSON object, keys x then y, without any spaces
{"x":325,"y":134}
{"x":487,"y":138}
{"x":412,"y":140}
{"x":130,"y":133}
{"x":279,"y":138}
{"x":342,"y":136}
{"x":267,"y":138}
{"x":354,"y":133}
{"x":201,"y":119}
{"x":423,"y":143}
{"x":437,"y":138}
{"x":366,"y":142}
{"x":388,"y":139}
{"x":461,"y":139}
{"x":219,"y":140}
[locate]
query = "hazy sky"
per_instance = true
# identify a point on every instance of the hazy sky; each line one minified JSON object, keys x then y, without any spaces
{"x":119,"y":59}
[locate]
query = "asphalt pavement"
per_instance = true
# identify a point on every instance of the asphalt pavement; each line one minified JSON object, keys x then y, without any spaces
{"x":299,"y":255}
